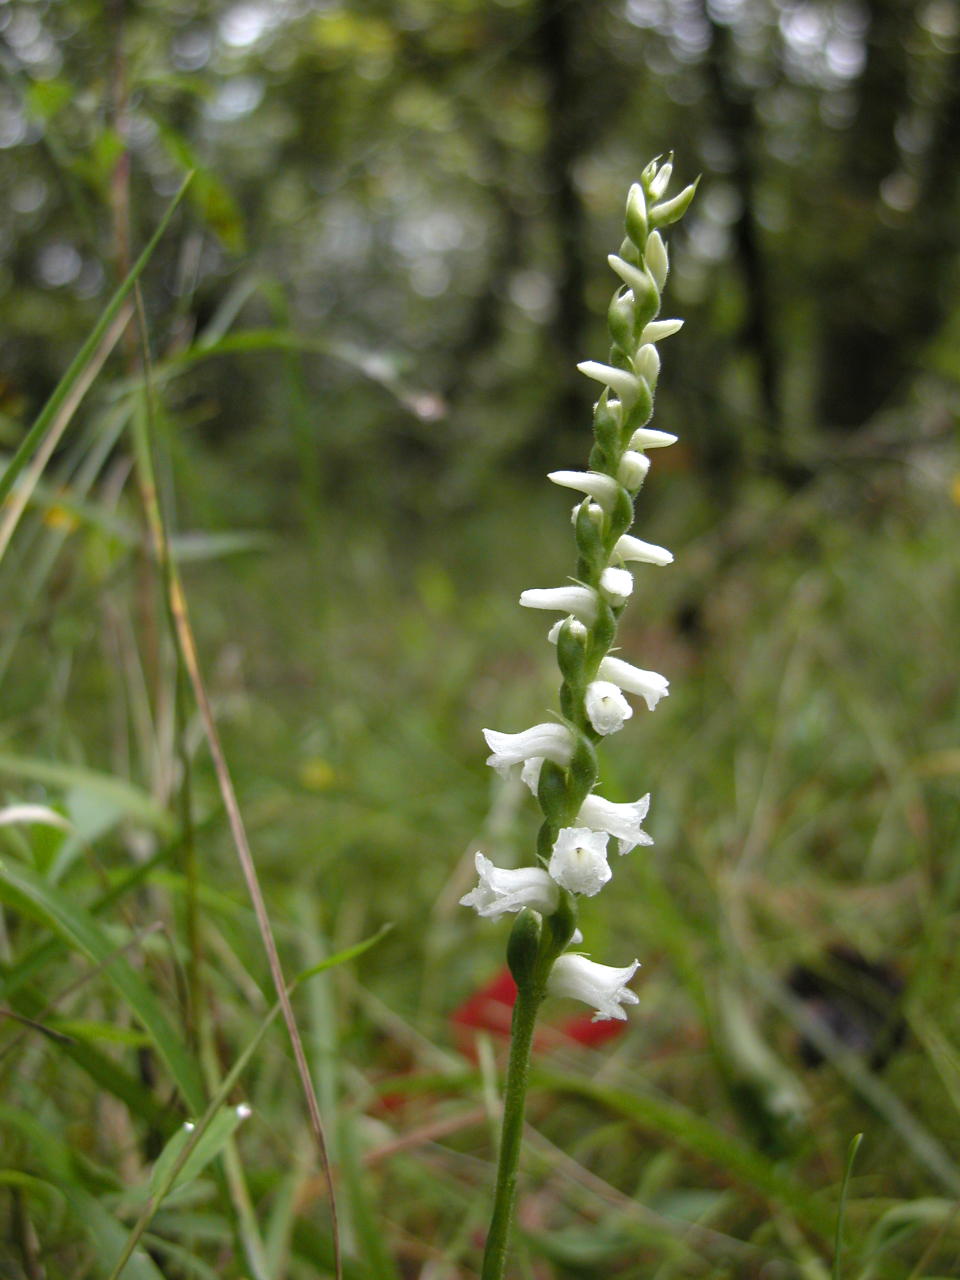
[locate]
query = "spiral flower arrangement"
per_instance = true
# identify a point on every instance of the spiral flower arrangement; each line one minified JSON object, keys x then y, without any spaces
{"x":558,"y":759}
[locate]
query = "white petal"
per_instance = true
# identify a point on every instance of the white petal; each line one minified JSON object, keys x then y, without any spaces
{"x":607,"y":709}
{"x":621,"y":820}
{"x":530,"y":773}
{"x":550,"y":740}
{"x":649,"y":438}
{"x":580,"y":601}
{"x":616,"y":585}
{"x":633,"y":469}
{"x":602,"y":488}
{"x":600,"y":985}
{"x":647,"y":363}
{"x":657,"y":330}
{"x":630,"y":548}
{"x":578,"y":862}
{"x":624,"y":383}
{"x":635,"y":278}
{"x":649,"y":685}
{"x":655,"y":256}
{"x":501,"y":890}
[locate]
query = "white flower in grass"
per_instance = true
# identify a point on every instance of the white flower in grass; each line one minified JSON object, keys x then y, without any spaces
{"x":607,"y":709}
{"x":616,"y":585}
{"x":620,"y":820}
{"x":501,"y":890}
{"x":649,"y":685}
{"x":600,"y":985}
{"x":602,"y":488}
{"x":550,"y":741}
{"x":579,"y":860}
{"x":630,"y":548}
{"x":580,"y":601}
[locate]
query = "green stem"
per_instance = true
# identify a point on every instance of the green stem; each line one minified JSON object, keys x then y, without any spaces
{"x":529,"y":997}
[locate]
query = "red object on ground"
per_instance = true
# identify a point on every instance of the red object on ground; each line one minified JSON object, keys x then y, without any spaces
{"x":490,"y":1009}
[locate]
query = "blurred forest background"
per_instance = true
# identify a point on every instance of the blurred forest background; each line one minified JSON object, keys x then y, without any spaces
{"x":364,"y":322}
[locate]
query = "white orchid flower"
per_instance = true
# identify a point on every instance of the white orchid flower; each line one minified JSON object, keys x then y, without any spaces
{"x":600,"y":985}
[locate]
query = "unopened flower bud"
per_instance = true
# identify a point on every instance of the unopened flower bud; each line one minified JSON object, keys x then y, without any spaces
{"x":633,"y":469}
{"x":616,"y":586}
{"x":661,"y":215}
{"x":647,"y":364}
{"x":660,"y":182}
{"x":636,"y":219}
{"x":655,"y":256}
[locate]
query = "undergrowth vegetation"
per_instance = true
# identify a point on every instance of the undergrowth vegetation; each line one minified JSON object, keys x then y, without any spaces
{"x":800,"y":902}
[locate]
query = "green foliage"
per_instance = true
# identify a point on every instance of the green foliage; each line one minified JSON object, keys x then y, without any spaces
{"x":348,"y":429}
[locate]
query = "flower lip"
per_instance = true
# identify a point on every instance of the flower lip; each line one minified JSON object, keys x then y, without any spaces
{"x":501,"y":890}
{"x":607,"y":709}
{"x":629,"y":548}
{"x":624,"y":821}
{"x":578,"y":862}
{"x":600,"y":985}
{"x":649,"y":685}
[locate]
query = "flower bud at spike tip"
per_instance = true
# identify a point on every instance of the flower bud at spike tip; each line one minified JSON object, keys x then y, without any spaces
{"x":661,"y":215}
{"x":659,"y":184}
{"x":636,"y":217}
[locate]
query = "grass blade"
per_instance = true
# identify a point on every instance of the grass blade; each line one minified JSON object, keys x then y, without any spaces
{"x":86,"y":354}
{"x":845,"y":1185}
